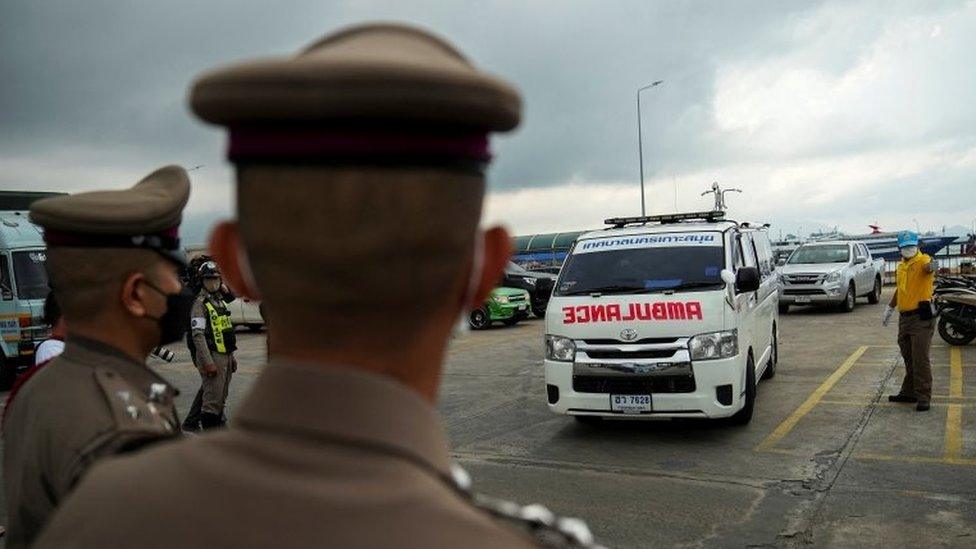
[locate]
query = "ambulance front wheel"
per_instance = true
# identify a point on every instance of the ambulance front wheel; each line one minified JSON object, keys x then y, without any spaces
{"x":744,"y":416}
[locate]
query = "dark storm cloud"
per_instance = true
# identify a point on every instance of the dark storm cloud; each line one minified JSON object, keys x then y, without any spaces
{"x":113,"y":75}
{"x":767,"y":95}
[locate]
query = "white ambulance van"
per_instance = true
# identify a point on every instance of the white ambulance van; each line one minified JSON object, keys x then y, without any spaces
{"x":663,"y":317}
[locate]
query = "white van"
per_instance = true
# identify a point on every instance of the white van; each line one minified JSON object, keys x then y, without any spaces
{"x":663,"y":316}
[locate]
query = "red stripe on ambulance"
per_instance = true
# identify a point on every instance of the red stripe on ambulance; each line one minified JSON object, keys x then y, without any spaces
{"x":613,"y":312}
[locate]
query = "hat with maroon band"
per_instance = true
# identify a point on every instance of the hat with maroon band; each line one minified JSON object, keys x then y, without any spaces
{"x":146,"y":216}
{"x":375,"y":92}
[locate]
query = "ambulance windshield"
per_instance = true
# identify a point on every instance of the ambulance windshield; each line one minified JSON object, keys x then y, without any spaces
{"x":643,"y":264}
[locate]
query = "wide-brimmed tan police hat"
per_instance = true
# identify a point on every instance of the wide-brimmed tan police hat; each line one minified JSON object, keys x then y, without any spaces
{"x":374,"y":71}
{"x":147,"y":216}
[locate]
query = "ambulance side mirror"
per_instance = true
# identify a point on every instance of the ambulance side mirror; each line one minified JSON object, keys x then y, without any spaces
{"x":747,"y":279}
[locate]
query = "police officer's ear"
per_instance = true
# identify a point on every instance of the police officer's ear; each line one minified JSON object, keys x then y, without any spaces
{"x":226,"y":247}
{"x":134,"y":294}
{"x":496,"y":251}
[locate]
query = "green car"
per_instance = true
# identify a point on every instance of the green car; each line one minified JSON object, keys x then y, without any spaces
{"x":509,"y":305}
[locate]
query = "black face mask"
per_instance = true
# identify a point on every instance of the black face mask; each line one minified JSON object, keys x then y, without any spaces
{"x":173,"y":323}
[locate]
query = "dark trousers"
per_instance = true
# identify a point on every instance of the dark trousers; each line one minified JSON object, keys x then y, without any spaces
{"x":914,"y":341}
{"x":192,"y":421}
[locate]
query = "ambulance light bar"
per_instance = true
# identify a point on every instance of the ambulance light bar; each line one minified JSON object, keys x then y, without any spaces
{"x":619,"y":222}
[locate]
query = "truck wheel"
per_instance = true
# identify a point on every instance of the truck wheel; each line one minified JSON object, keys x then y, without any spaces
{"x":8,"y":373}
{"x":744,"y":416}
{"x":875,"y":296}
{"x":952,"y":334}
{"x":773,"y":358}
{"x":479,"y":319}
{"x":847,"y":305}
{"x":784,"y":308}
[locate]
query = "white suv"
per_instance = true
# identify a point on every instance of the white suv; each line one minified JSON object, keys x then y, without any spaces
{"x":663,"y":316}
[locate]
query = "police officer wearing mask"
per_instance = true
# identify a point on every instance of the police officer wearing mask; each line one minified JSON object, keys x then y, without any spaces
{"x":913,"y":299}
{"x":214,"y":343}
{"x":113,"y":259}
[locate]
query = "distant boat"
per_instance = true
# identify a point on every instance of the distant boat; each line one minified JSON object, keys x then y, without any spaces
{"x":885,"y":244}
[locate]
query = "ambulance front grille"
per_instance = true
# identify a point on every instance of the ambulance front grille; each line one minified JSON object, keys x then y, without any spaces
{"x":614,"y":353}
{"x":634,"y":385}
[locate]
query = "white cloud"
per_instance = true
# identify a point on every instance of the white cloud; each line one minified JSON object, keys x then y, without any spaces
{"x":905,"y":84}
{"x":848,"y":191}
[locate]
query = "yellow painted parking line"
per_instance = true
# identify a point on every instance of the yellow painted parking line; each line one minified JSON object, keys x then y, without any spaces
{"x":842,"y":402}
{"x":955,"y":373}
{"x":953,"y":428}
{"x":953,"y":432}
{"x":915,"y":459}
{"x":789,"y":423}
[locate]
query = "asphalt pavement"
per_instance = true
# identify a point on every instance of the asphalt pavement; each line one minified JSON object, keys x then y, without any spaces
{"x":826,"y":461}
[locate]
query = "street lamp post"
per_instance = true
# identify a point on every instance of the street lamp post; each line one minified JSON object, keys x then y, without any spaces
{"x":640,"y":141}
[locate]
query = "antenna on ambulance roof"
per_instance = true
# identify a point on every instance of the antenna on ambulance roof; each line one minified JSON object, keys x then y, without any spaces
{"x":719,"y":196}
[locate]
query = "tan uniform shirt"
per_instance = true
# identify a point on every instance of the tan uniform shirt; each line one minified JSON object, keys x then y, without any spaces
{"x":318,"y":456}
{"x":90,"y":402}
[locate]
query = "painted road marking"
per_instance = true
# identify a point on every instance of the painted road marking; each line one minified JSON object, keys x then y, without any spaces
{"x":864,"y":403}
{"x":953,"y":429}
{"x":789,"y":423}
{"x":916,"y":459}
{"x":956,"y":401}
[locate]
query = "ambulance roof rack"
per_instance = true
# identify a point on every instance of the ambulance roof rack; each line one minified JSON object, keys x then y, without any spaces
{"x":621,"y":222}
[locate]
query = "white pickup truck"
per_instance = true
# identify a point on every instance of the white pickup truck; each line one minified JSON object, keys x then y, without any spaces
{"x":830,"y":273}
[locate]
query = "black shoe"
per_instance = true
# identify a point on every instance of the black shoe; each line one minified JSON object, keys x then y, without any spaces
{"x":210,"y":421}
{"x":922,"y":407}
{"x":901,"y":398}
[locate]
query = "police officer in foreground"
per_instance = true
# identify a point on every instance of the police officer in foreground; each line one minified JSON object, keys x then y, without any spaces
{"x":361,"y":171}
{"x":214,"y":343}
{"x":916,"y":323}
{"x":112,"y":258}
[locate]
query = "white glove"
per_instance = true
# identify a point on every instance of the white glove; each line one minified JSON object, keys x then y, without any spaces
{"x":886,"y":317}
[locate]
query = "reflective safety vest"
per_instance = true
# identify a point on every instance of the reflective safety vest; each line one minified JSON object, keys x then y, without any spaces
{"x":218,"y":323}
{"x":915,"y":284}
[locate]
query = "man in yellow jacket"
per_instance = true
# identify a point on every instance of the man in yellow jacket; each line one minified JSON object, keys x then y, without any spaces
{"x":913,"y":299}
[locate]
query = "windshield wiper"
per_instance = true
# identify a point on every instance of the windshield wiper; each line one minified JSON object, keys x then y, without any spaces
{"x":613,"y":289}
{"x":696,"y":285}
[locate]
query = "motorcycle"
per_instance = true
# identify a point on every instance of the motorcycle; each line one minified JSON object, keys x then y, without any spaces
{"x":955,"y":299}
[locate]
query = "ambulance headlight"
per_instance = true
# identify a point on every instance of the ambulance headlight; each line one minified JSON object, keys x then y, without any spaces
{"x":714,"y":345}
{"x":560,"y":348}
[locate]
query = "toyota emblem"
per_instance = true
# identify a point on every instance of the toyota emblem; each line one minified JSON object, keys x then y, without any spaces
{"x":628,"y":335}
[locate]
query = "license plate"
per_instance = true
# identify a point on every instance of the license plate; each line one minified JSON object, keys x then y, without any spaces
{"x":630,"y":404}
{"x":803,"y":299}
{"x":522,"y":307}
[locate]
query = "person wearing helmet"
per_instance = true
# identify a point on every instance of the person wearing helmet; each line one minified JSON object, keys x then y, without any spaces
{"x":913,"y":299}
{"x":214,"y":344}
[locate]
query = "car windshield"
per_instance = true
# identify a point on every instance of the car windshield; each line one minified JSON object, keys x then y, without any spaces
{"x":820,"y":254}
{"x":30,"y":274}
{"x":627,"y":268}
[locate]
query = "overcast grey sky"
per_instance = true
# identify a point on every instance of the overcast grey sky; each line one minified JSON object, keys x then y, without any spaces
{"x":825,"y":113}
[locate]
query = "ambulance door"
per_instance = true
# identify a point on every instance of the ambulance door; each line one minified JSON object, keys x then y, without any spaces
{"x":752,"y":306}
{"x":768,"y":294}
